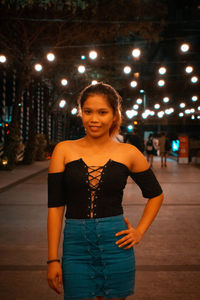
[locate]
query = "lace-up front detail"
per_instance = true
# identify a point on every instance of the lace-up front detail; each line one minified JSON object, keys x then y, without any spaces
{"x":94,"y":178}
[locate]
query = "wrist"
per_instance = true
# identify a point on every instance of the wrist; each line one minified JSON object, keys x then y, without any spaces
{"x":53,"y":260}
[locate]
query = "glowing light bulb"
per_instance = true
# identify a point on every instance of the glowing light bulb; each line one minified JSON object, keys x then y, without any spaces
{"x":161,"y":83}
{"x":136,"y":52}
{"x":38,"y":67}
{"x":185,"y":47}
{"x":139,"y":101}
{"x":74,"y":111}
{"x":62,"y":103}
{"x":182,"y":105}
{"x":133,"y":84}
{"x":64,"y":82}
{"x":189,"y":69}
{"x":2,"y":59}
{"x":94,"y":82}
{"x":81,"y":69}
{"x":162,"y":70}
{"x":50,"y":57}
{"x":127,"y":70}
{"x":194,"y":98}
{"x":166,"y":99}
{"x":194,"y":79}
{"x":93,"y":54}
{"x":157,"y":106}
{"x":135,"y":106}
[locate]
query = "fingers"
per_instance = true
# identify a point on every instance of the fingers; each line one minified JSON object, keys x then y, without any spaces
{"x":127,"y":241}
{"x":56,"y":283}
{"x":122,"y":232}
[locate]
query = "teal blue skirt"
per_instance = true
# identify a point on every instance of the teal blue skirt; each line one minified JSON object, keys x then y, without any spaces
{"x":92,"y":264}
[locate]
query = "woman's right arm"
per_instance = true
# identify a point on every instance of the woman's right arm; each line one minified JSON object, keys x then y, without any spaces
{"x":55,"y":216}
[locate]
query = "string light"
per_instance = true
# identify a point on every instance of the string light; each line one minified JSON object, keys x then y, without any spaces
{"x":160,"y":114}
{"x":81,"y":69}
{"x":182,"y":105}
{"x":139,"y":101}
{"x":93,"y":54}
{"x":64,"y":82}
{"x":74,"y":111}
{"x":127,"y":70}
{"x":189,"y":69}
{"x":194,"y":98}
{"x":62,"y":103}
{"x":157,"y":106}
{"x":94,"y":82}
{"x":2,"y":59}
{"x":135,"y":106}
{"x":136,"y":52}
{"x":194,"y":79}
{"x":181,"y":114}
{"x":166,"y":99}
{"x":50,"y":57}
{"x":162,"y":70}
{"x":133,"y":84}
{"x":185,"y":47}
{"x":161,"y":83}
{"x":38,"y":67}
{"x":131,"y":113}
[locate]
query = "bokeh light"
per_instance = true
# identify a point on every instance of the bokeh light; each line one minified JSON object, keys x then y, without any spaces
{"x":38,"y":67}
{"x":133,"y":84}
{"x":50,"y":57}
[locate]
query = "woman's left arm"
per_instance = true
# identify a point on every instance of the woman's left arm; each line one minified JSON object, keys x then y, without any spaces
{"x":149,"y":185}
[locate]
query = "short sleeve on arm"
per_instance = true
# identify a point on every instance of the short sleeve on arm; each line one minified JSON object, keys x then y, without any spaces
{"x":147,"y":182}
{"x":56,"y":191}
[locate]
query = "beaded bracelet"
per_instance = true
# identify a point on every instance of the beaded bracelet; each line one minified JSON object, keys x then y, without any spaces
{"x":52,"y":260}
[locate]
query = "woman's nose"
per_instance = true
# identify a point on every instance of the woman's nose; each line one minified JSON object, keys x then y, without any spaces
{"x":94,"y":118}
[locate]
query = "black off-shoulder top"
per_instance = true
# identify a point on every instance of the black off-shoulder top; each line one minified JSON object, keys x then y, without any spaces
{"x":96,"y":191}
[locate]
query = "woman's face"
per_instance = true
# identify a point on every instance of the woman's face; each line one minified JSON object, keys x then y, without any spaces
{"x":97,"y":116}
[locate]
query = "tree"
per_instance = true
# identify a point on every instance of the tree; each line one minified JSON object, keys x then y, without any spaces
{"x":28,"y":29}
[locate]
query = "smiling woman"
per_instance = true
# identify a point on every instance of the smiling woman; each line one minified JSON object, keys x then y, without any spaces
{"x":105,"y":100}
{"x":88,"y":176}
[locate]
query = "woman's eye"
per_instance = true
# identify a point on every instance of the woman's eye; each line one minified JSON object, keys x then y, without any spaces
{"x":103,"y":112}
{"x":87,"y":112}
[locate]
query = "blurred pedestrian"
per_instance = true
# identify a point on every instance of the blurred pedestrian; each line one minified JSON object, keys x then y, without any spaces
{"x":150,"y":150}
{"x":164,"y":146}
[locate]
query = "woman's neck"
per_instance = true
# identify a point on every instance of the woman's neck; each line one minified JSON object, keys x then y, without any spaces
{"x":100,"y":142}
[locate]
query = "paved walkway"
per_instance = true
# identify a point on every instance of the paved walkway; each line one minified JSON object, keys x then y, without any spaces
{"x":167,"y":259}
{"x":21,"y":173}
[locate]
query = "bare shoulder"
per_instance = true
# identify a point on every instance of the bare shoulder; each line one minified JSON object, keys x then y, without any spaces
{"x":136,"y":159}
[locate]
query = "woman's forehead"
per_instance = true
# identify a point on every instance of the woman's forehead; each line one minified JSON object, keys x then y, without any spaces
{"x":97,"y":101}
